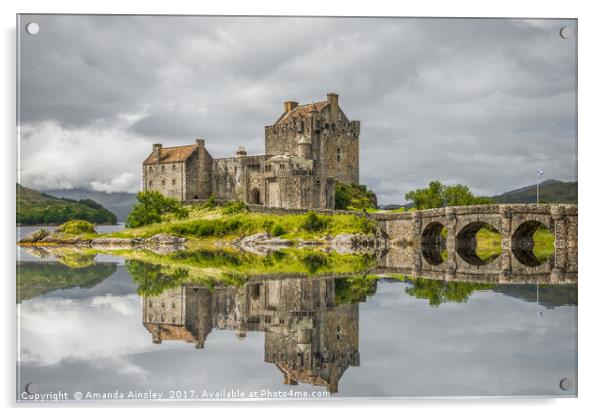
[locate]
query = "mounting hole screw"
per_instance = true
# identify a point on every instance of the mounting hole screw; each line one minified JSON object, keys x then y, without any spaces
{"x":566,"y":32}
{"x":31,"y":388}
{"x":566,"y":384}
{"x":32,"y":28}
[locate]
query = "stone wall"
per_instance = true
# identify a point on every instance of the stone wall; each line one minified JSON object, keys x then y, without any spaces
{"x":167,"y":178}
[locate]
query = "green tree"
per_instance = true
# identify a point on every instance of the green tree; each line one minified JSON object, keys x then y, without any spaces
{"x":153,"y":279}
{"x":150,"y":208}
{"x":438,"y":292}
{"x":354,"y":196}
{"x":437,"y":195}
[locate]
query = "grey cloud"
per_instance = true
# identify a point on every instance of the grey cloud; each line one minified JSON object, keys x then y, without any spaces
{"x":482,"y":102}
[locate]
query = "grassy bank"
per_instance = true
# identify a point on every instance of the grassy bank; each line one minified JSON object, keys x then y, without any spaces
{"x":204,"y":223}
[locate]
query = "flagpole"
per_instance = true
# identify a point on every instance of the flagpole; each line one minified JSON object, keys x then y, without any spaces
{"x":540,"y":173}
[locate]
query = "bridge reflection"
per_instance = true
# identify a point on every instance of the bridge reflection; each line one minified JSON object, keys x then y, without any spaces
{"x":428,"y":262}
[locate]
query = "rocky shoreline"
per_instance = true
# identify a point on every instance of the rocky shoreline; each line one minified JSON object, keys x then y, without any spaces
{"x":256,"y":243}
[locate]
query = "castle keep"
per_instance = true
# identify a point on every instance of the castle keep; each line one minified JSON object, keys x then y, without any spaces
{"x":307,"y":150}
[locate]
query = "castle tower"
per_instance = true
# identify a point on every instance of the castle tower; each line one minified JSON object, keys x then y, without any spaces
{"x":204,"y":173}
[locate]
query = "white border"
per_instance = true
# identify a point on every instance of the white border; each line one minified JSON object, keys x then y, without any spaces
{"x":590,"y":69}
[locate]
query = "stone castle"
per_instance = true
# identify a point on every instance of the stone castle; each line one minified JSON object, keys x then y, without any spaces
{"x":307,"y":150}
{"x":308,"y":336}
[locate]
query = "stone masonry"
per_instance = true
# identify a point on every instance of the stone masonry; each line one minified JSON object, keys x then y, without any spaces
{"x":307,"y":150}
{"x":516,"y":223}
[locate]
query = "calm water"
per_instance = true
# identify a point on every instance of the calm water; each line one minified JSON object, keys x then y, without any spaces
{"x":102,"y":325}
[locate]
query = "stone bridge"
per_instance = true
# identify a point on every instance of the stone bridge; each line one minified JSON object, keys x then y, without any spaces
{"x":442,"y":241}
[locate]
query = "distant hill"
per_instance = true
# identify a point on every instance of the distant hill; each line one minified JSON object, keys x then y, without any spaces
{"x":550,"y":296}
{"x":36,"y":278}
{"x":550,"y":191}
{"x":35,"y":207}
{"x":120,"y":203}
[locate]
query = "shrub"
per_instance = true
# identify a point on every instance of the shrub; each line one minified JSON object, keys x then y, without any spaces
{"x":234,"y":207}
{"x":313,"y":222}
{"x":314,"y":261}
{"x":277,"y":230}
{"x":209,"y":203}
{"x":367,"y":225}
{"x":77,"y":227}
{"x":151,"y":206}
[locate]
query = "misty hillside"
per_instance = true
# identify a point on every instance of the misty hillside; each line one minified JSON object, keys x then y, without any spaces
{"x":550,"y":191}
{"x":120,"y":203}
{"x":35,"y":207}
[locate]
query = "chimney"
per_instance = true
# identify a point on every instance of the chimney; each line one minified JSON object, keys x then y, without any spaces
{"x":200,"y":143}
{"x":157,"y":148}
{"x":241,"y":151}
{"x":290,"y":106}
{"x":333,"y":100}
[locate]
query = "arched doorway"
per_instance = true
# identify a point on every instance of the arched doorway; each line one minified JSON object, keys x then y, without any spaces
{"x":255,"y":197}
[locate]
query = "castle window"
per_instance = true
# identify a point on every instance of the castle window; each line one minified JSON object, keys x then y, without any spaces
{"x":150,"y":183}
{"x":173,"y":167}
{"x":162,"y":169}
{"x":173,"y":181}
{"x":255,"y":291}
{"x":163,"y":182}
{"x":338,"y":154}
{"x":318,"y":182}
{"x":150,"y":169}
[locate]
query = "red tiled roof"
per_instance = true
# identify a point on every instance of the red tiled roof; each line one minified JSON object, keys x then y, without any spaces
{"x":302,"y":111}
{"x":303,"y":376}
{"x":172,"y":154}
{"x":170,"y":332}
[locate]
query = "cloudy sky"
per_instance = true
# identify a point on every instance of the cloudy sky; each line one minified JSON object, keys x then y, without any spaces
{"x":473,"y":101}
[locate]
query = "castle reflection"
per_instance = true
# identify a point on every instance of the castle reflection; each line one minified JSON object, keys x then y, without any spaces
{"x":308,"y":336}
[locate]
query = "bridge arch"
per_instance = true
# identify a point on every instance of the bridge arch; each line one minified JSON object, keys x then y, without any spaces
{"x":433,"y":243}
{"x":523,"y":244}
{"x":466,"y":243}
